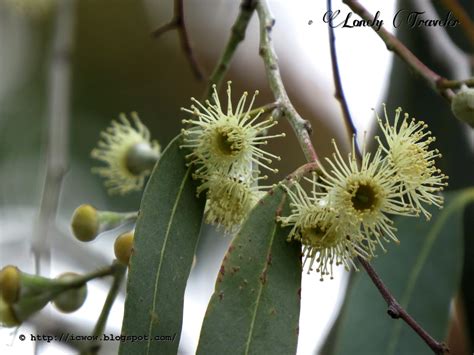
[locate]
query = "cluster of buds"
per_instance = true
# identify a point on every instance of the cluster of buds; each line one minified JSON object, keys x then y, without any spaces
{"x":347,"y":213}
{"x":226,"y":152}
{"x":22,"y":294}
{"x":87,"y":223}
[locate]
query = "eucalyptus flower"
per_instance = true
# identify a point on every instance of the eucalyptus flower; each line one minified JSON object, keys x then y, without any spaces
{"x":227,"y":141}
{"x":408,"y":151}
{"x":229,"y":199}
{"x":326,"y":239}
{"x":129,"y":154}
{"x":365,"y":193}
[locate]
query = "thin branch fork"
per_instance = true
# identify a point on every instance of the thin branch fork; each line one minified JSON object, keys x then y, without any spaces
{"x":177,"y":22}
{"x":237,"y":35}
{"x":395,"y":45}
{"x":301,"y":127}
{"x":396,"y":311}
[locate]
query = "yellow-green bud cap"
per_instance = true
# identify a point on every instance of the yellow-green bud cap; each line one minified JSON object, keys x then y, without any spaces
{"x":7,"y":316}
{"x":462,"y":105}
{"x":85,"y":223}
{"x":72,"y":299}
{"x":123,"y":247}
{"x":10,"y":284}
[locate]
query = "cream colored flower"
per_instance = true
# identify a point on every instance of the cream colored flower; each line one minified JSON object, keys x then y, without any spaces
{"x":326,"y":239}
{"x":230,"y":141}
{"x":407,"y":148}
{"x":229,"y":199}
{"x":365,"y":194}
{"x":128,"y":153}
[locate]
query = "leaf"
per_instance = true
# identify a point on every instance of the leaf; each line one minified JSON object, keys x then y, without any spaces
{"x":166,"y":235}
{"x":256,"y":303}
{"x":423,"y":274}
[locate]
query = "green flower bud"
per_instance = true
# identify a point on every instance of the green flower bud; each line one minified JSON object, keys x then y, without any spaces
{"x":85,"y":223}
{"x":123,"y":247}
{"x":72,"y":299}
{"x":462,"y":105}
{"x":10,"y":284}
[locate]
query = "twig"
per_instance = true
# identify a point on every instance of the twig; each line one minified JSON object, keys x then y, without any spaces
{"x":237,"y":35}
{"x":119,"y":274}
{"x":57,"y":155}
{"x":464,"y":20}
{"x":339,"y":94}
{"x":396,"y":311}
{"x":301,"y":127}
{"x":457,"y":63}
{"x":177,"y":22}
{"x":395,"y":45}
{"x":455,"y":84}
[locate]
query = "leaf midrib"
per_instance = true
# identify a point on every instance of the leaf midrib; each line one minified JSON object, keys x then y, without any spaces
{"x":260,"y":291}
{"x":160,"y":262}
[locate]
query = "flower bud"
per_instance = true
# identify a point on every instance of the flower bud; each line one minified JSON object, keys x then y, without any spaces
{"x":462,"y":105}
{"x":123,"y":247}
{"x":72,"y":299}
{"x":7,"y":317}
{"x":10,"y":284}
{"x":85,"y":223}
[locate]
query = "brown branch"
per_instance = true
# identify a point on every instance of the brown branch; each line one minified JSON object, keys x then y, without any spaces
{"x":237,"y":35}
{"x":456,"y":84}
{"x":396,"y":311}
{"x":464,"y":19}
{"x":395,"y":45}
{"x":339,"y":94}
{"x":177,"y":22}
{"x":301,"y":127}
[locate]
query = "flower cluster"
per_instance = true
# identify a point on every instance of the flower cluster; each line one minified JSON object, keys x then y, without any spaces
{"x":226,"y":151}
{"x":348,"y":212}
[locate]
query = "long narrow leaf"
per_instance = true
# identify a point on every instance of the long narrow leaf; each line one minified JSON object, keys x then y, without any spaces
{"x":256,"y":304}
{"x":165,"y":240}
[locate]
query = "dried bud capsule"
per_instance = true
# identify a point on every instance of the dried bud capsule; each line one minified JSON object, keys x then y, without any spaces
{"x":10,"y":284}
{"x":123,"y":247}
{"x":85,"y":223}
{"x":72,"y":299}
{"x":463,"y":105}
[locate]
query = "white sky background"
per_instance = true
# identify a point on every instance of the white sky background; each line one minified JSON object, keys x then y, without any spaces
{"x":364,"y":65}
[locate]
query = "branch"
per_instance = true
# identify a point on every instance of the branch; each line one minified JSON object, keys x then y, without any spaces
{"x":57,"y":155}
{"x":237,"y":35}
{"x":177,"y":22}
{"x":119,"y":274}
{"x":456,"y":84}
{"x":301,"y":127}
{"x":464,"y":20}
{"x":393,"y":44}
{"x":339,"y":94}
{"x":396,"y":311}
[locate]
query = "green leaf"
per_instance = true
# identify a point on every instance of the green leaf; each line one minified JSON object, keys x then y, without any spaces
{"x":256,"y":303}
{"x":423,"y":274}
{"x":166,"y":235}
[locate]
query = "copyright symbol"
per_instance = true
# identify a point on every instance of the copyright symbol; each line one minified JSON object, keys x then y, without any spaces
{"x":22,"y":337}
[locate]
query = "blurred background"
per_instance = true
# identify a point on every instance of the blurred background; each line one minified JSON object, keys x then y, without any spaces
{"x":116,"y":66}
